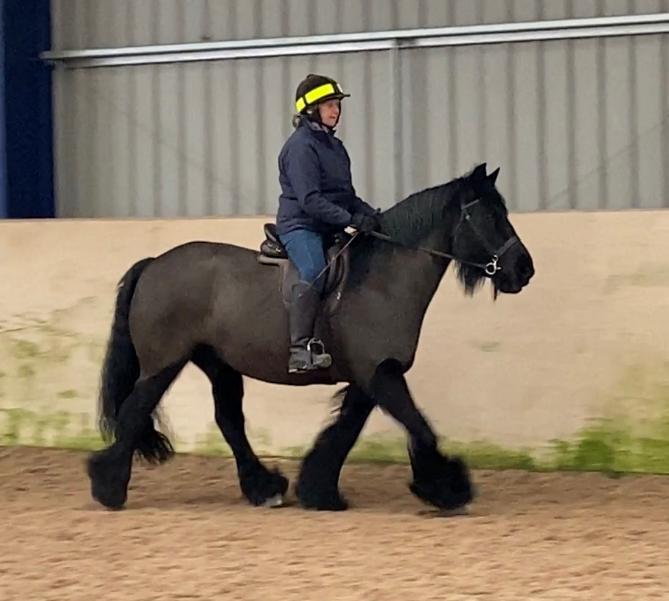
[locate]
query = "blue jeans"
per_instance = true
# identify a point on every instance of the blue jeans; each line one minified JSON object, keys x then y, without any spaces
{"x":305,"y":250}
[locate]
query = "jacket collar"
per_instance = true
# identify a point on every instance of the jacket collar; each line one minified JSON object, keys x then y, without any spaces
{"x":316,"y":127}
{"x":319,"y":127}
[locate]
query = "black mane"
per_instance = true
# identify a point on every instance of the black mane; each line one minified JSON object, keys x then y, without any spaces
{"x":412,"y":218}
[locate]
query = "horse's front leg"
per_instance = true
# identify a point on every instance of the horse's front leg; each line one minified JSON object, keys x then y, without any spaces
{"x":437,"y":479}
{"x":318,"y":483}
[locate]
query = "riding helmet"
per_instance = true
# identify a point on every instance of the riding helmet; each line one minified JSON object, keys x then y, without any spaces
{"x":314,"y":89}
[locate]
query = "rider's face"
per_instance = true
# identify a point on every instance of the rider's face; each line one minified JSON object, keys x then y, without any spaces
{"x":329,"y":111}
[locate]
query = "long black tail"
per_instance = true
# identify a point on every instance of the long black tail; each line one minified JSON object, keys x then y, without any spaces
{"x":120,"y":371}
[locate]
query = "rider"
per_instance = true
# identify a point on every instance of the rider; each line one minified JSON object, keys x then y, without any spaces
{"x":317,"y":200}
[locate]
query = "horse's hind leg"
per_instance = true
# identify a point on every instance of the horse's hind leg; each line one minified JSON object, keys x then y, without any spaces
{"x":109,"y":470}
{"x":259,"y":485}
{"x":318,"y":483}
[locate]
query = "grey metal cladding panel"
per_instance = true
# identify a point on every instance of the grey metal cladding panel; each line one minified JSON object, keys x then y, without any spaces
{"x":468,"y":115}
{"x":81,"y":119}
{"x":225,"y":130}
{"x":69,"y":24}
{"x":664,"y":90}
{"x":86,"y":134}
{"x":248,"y":19}
{"x":353,"y":16}
{"x":379,"y":190}
{"x":440,"y":14}
{"x":641,"y":7}
{"x":222,"y":16}
{"x":585,"y":186}
{"x":64,"y":143}
{"x":651,"y":120}
{"x":356,"y":118}
{"x":277,"y":108}
{"x":105,"y":23}
{"x":458,"y":13}
{"x":93,"y":144}
{"x":168,"y":141}
{"x":384,"y":14}
{"x":558,"y":128}
{"x":410,"y":14}
{"x":169,"y":28}
{"x":61,"y":24}
{"x":526,"y":130}
{"x":65,"y":25}
{"x":430,"y":116}
{"x":573,"y":124}
{"x":499,"y":106}
{"x":614,"y":8}
{"x":367,"y":126}
{"x":273,"y":22}
{"x":144,"y":170}
{"x":299,"y":16}
{"x":319,"y":16}
{"x":578,"y":124}
{"x":110,"y":178}
{"x":243,"y":136}
{"x":523,"y":10}
{"x":194,"y":134}
{"x":557,"y":9}
{"x":470,"y":105}
{"x":193,"y":20}
{"x":498,"y":12}
{"x":252,"y":166}
{"x":143,"y":24}
{"x":110,"y":24}
{"x":618,"y":160}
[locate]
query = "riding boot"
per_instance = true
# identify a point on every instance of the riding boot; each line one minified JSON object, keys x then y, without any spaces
{"x":306,"y":353}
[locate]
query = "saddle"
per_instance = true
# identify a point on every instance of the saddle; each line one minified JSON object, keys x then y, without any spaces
{"x":272,"y":252}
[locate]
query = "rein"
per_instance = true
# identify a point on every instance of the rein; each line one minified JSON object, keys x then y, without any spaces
{"x":490,"y":268}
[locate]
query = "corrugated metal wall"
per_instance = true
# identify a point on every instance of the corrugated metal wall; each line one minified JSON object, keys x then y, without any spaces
{"x":573,"y":124}
{"x":110,"y":23}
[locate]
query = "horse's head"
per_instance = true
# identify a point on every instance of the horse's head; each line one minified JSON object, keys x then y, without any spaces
{"x":483,"y":234}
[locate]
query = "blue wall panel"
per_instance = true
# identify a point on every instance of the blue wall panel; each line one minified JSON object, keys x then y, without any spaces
{"x":26,"y":142}
{"x":3,"y":155}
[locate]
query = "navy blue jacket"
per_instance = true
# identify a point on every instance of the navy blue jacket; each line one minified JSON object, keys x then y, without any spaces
{"x":316,"y":188}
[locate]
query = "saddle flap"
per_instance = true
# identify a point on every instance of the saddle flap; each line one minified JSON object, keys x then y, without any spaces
{"x":272,"y":252}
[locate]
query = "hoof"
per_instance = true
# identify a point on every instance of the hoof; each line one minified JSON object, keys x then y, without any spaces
{"x":264,"y":487}
{"x":448,"y":486}
{"x":320,"y":498}
{"x":275,"y":501}
{"x":109,"y":481}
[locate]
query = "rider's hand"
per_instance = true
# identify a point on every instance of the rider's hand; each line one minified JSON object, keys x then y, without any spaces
{"x":365,"y":223}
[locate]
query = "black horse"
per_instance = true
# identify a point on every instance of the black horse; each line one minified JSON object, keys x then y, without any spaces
{"x":215,"y":305}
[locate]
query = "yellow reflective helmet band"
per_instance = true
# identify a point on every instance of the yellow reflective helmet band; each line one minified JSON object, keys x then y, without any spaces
{"x":327,"y":89}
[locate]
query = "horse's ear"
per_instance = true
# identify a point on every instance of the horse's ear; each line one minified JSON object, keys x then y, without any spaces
{"x":493,"y":176}
{"x":478,"y":175}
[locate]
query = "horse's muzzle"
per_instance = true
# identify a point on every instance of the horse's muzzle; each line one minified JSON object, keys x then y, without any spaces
{"x":512,"y":278}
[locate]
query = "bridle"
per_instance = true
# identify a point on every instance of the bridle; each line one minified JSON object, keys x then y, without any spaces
{"x":490,"y":268}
